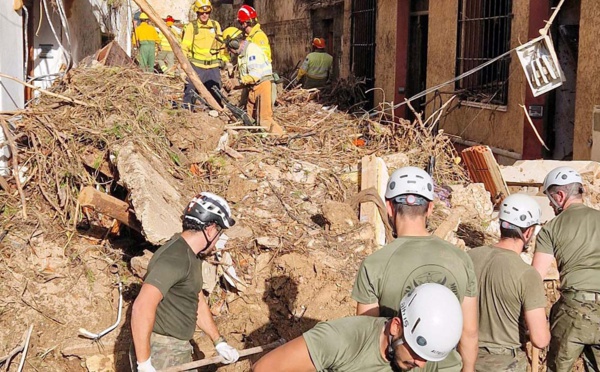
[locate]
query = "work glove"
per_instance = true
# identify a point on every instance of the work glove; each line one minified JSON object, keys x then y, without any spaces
{"x":232,"y":84}
{"x":229,"y":353}
{"x":146,"y":366}
{"x":229,"y":68}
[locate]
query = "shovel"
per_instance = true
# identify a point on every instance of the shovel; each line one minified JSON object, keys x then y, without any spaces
{"x":219,"y":359}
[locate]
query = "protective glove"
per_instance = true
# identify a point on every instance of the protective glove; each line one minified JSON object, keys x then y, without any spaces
{"x":229,"y":68}
{"x":232,"y":84}
{"x":146,"y":366}
{"x":229,"y":353}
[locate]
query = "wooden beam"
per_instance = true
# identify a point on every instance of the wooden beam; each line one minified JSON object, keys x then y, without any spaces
{"x":374,"y":173}
{"x":108,"y":205}
{"x":185,"y":64}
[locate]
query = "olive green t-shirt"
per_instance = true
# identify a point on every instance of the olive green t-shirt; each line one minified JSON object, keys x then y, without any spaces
{"x":507,"y":287}
{"x":347,"y":344}
{"x":393,"y":271}
{"x":177,"y":273}
{"x":573,"y":237}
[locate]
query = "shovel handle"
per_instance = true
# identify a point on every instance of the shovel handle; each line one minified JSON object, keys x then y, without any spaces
{"x":219,"y":359}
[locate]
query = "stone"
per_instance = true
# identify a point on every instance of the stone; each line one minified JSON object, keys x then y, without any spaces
{"x":473,"y":202}
{"x":395,"y":161}
{"x":268,"y":241}
{"x":100,"y":363}
{"x":340,"y":216}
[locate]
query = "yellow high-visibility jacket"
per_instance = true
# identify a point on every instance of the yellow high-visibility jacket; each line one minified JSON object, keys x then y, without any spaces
{"x":144,"y":32}
{"x":254,"y":66}
{"x":317,"y":65}
{"x":258,"y":37}
{"x":164,"y":43}
{"x":201,"y":46}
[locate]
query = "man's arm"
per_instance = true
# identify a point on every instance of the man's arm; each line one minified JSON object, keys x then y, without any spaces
{"x":468,"y":344}
{"x":205,"y":319}
{"x":142,"y":320}
{"x":539,"y":331}
{"x":542,"y":262}
{"x":290,"y":357}
{"x":367,"y":309}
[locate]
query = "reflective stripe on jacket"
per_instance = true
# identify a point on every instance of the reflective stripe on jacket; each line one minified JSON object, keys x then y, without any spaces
{"x":201,"y":46}
{"x":164,"y":43}
{"x":258,"y":37}
{"x":317,"y":65}
{"x":254,"y":65}
{"x":145,"y":32}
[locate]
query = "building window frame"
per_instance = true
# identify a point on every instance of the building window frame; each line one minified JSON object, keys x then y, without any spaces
{"x":484,"y":33}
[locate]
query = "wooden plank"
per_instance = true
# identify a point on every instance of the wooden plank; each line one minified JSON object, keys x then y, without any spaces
{"x":108,"y":205}
{"x":374,"y":173}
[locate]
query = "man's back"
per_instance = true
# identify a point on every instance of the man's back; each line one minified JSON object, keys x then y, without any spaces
{"x":507,"y":288}
{"x":573,"y":237}
{"x":388,"y":274}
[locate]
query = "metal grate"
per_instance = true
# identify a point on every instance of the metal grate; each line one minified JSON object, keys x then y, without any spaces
{"x":484,"y":33}
{"x":362,"y":47}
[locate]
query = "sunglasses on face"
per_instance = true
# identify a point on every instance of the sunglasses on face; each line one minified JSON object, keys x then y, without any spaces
{"x":203,"y":13}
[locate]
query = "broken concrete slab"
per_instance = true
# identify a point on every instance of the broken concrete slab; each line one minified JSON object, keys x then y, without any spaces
{"x":268,"y":241}
{"x":155,"y":197}
{"x":340,"y":216}
{"x":473,"y":202}
{"x":396,"y":161}
{"x":533,"y":172}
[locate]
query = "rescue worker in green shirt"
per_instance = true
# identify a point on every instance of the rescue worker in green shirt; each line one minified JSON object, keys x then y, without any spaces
{"x":317,"y":68}
{"x":573,"y":238}
{"x":201,"y":44}
{"x":415,"y":258}
{"x":147,"y":38}
{"x":427,"y":329}
{"x":510,"y":291}
{"x":166,"y":58}
{"x":171,"y":304}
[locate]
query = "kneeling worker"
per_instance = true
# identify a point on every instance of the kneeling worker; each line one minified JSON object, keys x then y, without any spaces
{"x":429,"y":327}
{"x":256,"y":74}
{"x":317,"y":68}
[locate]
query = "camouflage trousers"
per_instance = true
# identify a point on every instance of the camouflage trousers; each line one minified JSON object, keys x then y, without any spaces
{"x":575,"y":328}
{"x":501,"y":360}
{"x":165,"y":352}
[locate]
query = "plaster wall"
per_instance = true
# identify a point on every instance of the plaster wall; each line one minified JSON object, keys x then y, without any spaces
{"x":11,"y":57}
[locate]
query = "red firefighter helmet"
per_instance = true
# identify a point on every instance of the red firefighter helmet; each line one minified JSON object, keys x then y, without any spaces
{"x":246,"y":13}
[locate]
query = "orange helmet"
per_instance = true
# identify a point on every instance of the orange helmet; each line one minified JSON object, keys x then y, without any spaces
{"x":246,"y":13}
{"x":318,"y":43}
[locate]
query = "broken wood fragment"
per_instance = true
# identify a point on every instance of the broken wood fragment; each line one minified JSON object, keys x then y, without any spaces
{"x":374,"y":173}
{"x":108,"y":205}
{"x":483,"y":168}
{"x":113,"y":55}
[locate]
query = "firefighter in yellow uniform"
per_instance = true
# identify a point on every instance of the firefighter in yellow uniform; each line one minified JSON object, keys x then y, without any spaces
{"x":256,"y":74}
{"x":317,"y":68}
{"x":202,"y":46}
{"x":145,"y":38}
{"x":166,"y":58}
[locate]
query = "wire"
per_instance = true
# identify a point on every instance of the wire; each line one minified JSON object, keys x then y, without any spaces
{"x":26,"y":40}
{"x":64,"y":50}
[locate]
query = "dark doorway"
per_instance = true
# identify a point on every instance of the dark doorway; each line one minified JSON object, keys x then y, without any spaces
{"x":362,"y":44}
{"x":561,"y":102}
{"x":417,"y":55}
{"x":327,"y":23}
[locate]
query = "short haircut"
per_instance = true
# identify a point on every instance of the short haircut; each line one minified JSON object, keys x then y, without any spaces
{"x":511,"y":232}
{"x":188,"y":224}
{"x":572,"y":189}
{"x":411,"y":210}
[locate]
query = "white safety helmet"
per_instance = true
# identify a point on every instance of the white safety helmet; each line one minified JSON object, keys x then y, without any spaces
{"x":561,"y":176}
{"x":520,"y":210}
{"x":410,"y":180}
{"x":206,"y":208}
{"x":432,"y":321}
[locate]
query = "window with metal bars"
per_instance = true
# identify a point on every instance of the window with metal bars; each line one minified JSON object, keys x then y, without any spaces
{"x":483,"y":34}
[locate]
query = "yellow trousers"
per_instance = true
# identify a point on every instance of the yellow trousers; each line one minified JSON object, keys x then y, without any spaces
{"x":259,"y":107}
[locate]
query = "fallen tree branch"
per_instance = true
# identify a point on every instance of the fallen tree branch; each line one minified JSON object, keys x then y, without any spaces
{"x":20,"y":348}
{"x":68,"y":99}
{"x":219,"y":359}
{"x":25,"y":347}
{"x":15,"y":164}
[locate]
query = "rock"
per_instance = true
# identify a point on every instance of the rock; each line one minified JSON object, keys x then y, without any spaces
{"x":139,"y":264}
{"x":100,"y":363}
{"x":303,"y":172}
{"x":238,"y":188}
{"x":340,"y":216}
{"x":268,"y":241}
{"x":154,"y":195}
{"x":395,"y":161}
{"x":473,"y":203}
{"x":239,"y":231}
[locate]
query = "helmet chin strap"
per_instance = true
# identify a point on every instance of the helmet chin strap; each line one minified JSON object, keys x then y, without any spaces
{"x":559,"y":208}
{"x":390,"y":353}
{"x":208,"y":242}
